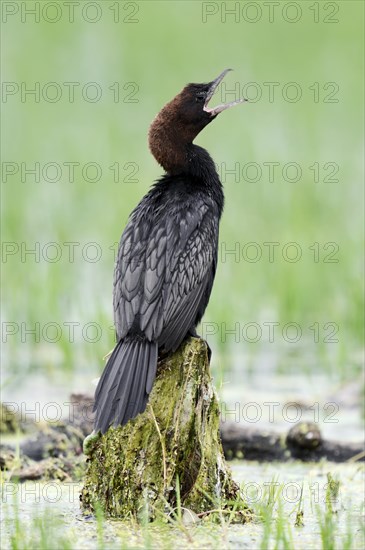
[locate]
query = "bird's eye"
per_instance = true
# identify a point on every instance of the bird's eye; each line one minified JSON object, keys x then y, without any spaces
{"x":200,"y":97}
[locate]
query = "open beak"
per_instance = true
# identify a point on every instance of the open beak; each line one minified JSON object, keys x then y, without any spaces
{"x":214,"y":85}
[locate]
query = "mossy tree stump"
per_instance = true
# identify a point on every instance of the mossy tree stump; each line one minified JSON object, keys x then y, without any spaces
{"x":135,"y":468}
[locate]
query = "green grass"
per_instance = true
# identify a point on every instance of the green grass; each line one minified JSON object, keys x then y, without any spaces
{"x":168,"y":47}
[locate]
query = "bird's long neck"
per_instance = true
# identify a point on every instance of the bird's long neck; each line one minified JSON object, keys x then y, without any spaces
{"x":176,"y":153}
{"x":168,"y":147}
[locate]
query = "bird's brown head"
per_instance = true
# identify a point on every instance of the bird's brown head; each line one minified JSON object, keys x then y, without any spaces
{"x":181,"y":120}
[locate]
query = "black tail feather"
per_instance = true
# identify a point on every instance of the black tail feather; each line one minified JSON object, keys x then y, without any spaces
{"x":126,"y":382}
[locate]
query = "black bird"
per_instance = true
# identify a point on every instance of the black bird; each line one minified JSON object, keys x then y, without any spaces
{"x":167,"y":256}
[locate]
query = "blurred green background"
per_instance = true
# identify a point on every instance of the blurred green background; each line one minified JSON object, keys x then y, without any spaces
{"x":146,"y":52}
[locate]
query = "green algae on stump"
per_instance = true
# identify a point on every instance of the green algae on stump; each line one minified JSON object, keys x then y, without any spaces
{"x":134,"y":468}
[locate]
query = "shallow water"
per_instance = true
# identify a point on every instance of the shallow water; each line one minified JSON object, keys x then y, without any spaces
{"x":57,"y":507}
